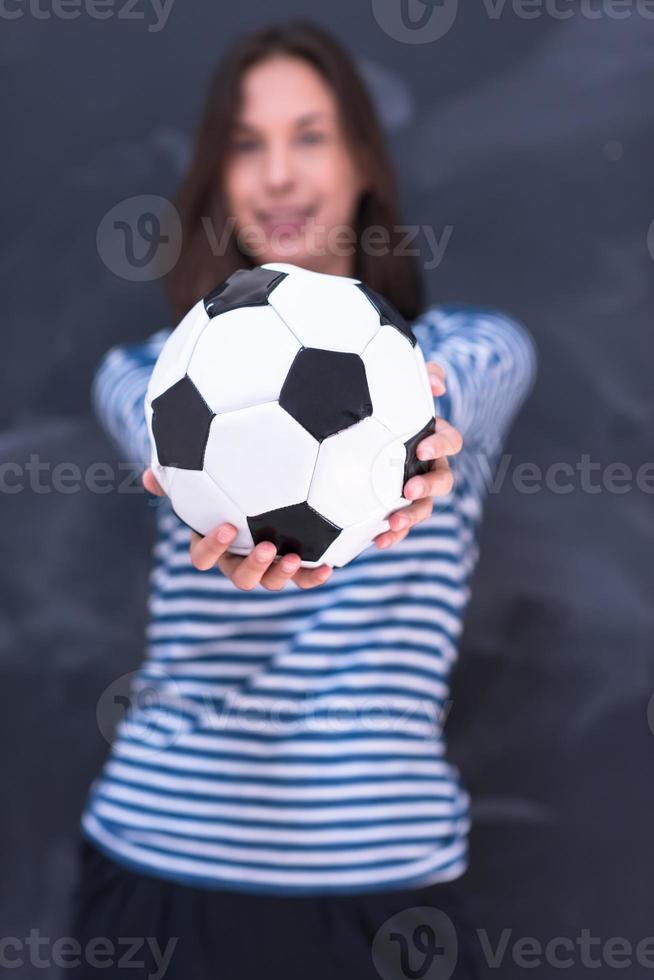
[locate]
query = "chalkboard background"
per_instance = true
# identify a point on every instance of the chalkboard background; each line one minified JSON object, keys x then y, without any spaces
{"x":531,"y":139}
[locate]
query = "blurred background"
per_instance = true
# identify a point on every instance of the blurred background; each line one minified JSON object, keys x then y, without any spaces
{"x":524,"y":140}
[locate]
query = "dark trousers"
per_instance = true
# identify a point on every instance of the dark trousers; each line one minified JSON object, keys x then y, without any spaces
{"x":129,"y":924}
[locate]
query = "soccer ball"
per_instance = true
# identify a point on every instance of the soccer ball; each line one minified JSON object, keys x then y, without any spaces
{"x":289,"y":403}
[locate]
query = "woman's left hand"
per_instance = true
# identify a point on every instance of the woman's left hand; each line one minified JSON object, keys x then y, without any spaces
{"x":438,"y":482}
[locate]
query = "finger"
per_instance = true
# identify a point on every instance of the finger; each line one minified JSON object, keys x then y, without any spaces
{"x":436,"y":369}
{"x":249,"y":571}
{"x":280,"y":572}
{"x":446,"y":441}
{"x":228,"y":563}
{"x":436,"y":381}
{"x":205,"y":551}
{"x":409,"y":516}
{"x":439,"y":481}
{"x":432,"y":448}
{"x":437,"y":385}
{"x":309,"y":578}
{"x":451,"y":433}
{"x":389,"y":538}
{"x":151,"y":483}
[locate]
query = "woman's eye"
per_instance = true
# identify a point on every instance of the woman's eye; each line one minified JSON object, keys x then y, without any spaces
{"x":245,"y":145}
{"x":312,"y":138}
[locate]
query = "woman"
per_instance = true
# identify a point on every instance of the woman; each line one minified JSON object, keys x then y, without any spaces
{"x":284,"y":806}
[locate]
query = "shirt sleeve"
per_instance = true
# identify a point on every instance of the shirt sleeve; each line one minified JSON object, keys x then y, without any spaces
{"x":118,"y":395}
{"x":491,"y":363}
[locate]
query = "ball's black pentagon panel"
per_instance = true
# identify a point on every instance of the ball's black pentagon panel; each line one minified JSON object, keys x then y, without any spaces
{"x":298,"y":529}
{"x":413,"y":465}
{"x":326,"y":391}
{"x":245,"y":287}
{"x":180,"y":426}
{"x":388,"y":313}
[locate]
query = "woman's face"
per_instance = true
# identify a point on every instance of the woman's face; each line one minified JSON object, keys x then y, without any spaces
{"x":291,"y":182}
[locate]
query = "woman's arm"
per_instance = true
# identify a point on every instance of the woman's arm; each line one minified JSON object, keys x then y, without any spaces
{"x":490,"y":363}
{"x":118,"y":393}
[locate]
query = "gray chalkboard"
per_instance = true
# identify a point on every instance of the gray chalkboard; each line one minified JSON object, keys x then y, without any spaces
{"x":531,"y":140}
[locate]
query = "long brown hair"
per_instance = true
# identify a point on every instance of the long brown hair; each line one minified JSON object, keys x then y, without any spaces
{"x":201,"y":198}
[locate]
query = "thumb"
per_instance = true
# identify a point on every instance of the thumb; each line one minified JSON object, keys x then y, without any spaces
{"x":151,"y":483}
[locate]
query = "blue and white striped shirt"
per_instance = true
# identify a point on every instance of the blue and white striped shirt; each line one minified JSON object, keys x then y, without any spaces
{"x":292,"y":742}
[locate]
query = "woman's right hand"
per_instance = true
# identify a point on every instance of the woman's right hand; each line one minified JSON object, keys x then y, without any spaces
{"x":257,"y":568}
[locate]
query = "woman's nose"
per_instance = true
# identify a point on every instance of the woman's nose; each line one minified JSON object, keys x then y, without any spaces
{"x":278,"y":167}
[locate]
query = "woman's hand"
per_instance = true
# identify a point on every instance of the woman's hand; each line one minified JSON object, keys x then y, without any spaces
{"x":260,"y":568}
{"x":257,"y":568}
{"x":446,"y":441}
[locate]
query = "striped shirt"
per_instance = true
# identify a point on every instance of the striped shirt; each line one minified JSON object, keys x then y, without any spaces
{"x":292,"y":742}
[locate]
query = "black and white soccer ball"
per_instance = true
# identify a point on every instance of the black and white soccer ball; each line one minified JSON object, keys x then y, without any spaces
{"x":290,"y":403}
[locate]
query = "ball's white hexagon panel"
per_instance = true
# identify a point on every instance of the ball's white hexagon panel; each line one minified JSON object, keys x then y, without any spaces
{"x":261,"y":457}
{"x":176,"y":353}
{"x":341,"y":318}
{"x":396,"y":381}
{"x":200,"y":503}
{"x":424,"y":375}
{"x":352,"y":541}
{"x":299,"y":270}
{"x":359,"y":474}
{"x":242,"y":358}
